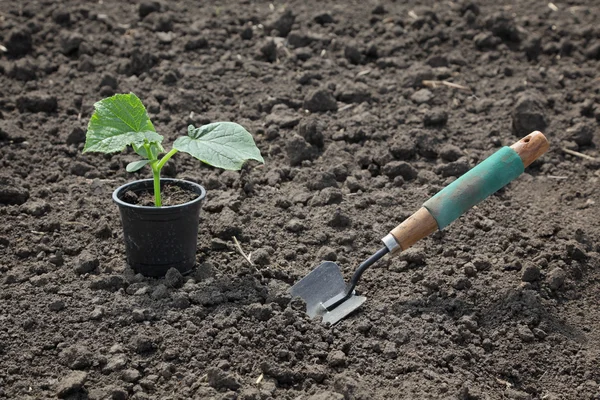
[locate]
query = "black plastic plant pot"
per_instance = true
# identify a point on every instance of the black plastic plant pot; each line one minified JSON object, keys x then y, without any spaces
{"x":160,"y":238}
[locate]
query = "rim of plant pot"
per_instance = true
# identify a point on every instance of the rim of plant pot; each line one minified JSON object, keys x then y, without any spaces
{"x":121,"y":190}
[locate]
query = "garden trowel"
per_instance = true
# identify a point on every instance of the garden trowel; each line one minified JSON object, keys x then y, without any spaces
{"x":324,"y":290}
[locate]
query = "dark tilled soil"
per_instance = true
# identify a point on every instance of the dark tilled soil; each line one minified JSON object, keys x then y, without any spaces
{"x":504,"y":304}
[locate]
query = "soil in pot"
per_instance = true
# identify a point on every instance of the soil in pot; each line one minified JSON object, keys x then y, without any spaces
{"x":171,"y":195}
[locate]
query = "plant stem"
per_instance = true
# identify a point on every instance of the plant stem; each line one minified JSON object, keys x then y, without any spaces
{"x":156,"y":167}
{"x":156,"y":176}
{"x":166,"y":158}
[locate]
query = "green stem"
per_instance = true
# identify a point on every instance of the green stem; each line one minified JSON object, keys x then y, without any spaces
{"x":156,"y":175}
{"x":166,"y":158}
{"x":156,"y":167}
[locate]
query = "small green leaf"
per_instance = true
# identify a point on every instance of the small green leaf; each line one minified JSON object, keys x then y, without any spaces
{"x":117,"y":122}
{"x":136,"y":165}
{"x":224,"y":145}
{"x":155,"y":150}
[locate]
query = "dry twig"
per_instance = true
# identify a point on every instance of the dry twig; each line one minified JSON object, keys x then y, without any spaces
{"x":578,"y":154}
{"x":246,"y":257}
{"x":434,"y":84}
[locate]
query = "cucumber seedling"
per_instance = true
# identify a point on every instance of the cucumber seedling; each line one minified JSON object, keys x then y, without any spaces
{"x":122,"y":120}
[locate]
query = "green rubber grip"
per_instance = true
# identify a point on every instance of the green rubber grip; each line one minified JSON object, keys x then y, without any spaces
{"x":476,"y":185}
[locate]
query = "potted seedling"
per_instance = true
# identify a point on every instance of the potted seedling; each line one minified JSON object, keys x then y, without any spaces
{"x":162,"y":234}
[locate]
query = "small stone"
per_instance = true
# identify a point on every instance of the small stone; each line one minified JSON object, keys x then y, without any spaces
{"x":196,"y":43}
{"x":352,"y":54}
{"x":37,"y":102}
{"x":486,"y":40}
{"x":576,"y":252}
{"x":295,"y":225}
{"x":450,"y":152}
{"x":219,"y":379}
{"x":109,"y":80}
{"x":282,"y":23}
{"x":528,"y":115}
{"x":399,"y":168}
{"x":61,"y":17}
{"x":461,"y":283}
{"x":356,"y":92}
{"x":339,"y":220}
{"x":174,"y":279}
{"x":261,"y":257}
{"x":532,"y":47}
{"x":336,"y":358}
{"x":481,"y":264}
{"x":97,"y":313}
{"x":131,"y":375}
{"x":76,"y":357}
{"x":165,"y":37}
{"x":455,"y":168}
{"x":525,"y":334}
{"x":160,"y":292}
{"x":403,"y":147}
{"x":19,"y":42}
{"x":57,"y":258}
{"x":581,"y":133}
{"x":470,"y":270}
{"x":422,"y":96}
{"x":110,"y":283}
{"x":36,"y":208}
{"x":390,"y":351}
{"x":437,"y":61}
{"x":470,"y":323}
{"x":56,"y":306}
{"x":556,"y":278}
{"x":71,"y":384}
{"x":268,"y":50}
{"x":142,"y":344}
{"x":299,"y":150}
{"x":531,"y":273}
{"x":593,"y":51}
{"x":312,"y":131}
{"x":323,"y":18}
{"x":413,"y":255}
{"x":70,"y":42}
{"x":147,"y":7}
{"x":261,"y":312}
{"x":326,"y":253}
{"x":514,"y":394}
{"x":435,"y":118}
{"x":116,"y":363}
{"x":76,"y":136}
{"x":283,"y":117}
{"x":23,"y":70}
{"x":320,"y":100}
{"x":86,"y":263}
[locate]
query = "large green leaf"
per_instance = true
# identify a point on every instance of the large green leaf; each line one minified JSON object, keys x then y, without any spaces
{"x":117,"y":122}
{"x":224,"y":145}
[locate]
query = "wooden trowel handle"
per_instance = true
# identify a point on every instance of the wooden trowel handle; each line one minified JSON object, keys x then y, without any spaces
{"x":474,"y":186}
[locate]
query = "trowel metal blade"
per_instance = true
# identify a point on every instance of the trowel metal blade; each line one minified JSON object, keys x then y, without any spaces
{"x":321,"y":285}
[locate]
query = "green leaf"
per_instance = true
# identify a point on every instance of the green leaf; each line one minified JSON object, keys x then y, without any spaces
{"x":119,"y":121}
{"x":136,"y":165}
{"x":224,"y":145}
